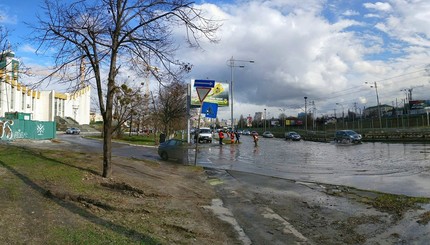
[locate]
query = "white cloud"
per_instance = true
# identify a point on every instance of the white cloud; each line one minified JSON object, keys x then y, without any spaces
{"x":301,"y":50}
{"x":5,"y":18}
{"x":27,"y":48}
{"x":380,"y":6}
{"x":350,"y":12}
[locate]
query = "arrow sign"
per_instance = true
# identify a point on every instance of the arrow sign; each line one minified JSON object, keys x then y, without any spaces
{"x":202,"y":93}
{"x":210,"y":109}
{"x":204,"y":83}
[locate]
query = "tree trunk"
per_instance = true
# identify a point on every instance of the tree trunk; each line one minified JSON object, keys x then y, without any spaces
{"x":107,"y":151}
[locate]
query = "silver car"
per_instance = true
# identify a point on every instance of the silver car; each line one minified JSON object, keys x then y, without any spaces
{"x":73,"y":131}
{"x":347,"y":136}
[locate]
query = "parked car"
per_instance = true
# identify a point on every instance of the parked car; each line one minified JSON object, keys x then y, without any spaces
{"x":347,"y":136}
{"x":267,"y":134}
{"x":205,"y":135}
{"x":173,"y":149}
{"x":293,"y":136}
{"x":73,"y":131}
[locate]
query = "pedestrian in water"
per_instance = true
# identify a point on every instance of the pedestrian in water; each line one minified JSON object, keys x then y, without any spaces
{"x":221,"y":136}
{"x":237,"y":137}
{"x":255,"y":137}
{"x":232,"y":137}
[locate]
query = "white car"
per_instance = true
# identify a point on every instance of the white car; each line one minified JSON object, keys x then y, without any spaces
{"x":205,"y":135}
{"x":267,"y":134}
{"x":73,"y":131}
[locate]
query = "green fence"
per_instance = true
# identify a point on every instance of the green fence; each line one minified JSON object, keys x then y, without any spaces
{"x":11,"y":129}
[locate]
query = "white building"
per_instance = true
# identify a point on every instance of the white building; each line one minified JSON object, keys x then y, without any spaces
{"x":42,"y":105}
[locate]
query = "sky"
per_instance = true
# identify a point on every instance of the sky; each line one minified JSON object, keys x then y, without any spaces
{"x":330,"y":52}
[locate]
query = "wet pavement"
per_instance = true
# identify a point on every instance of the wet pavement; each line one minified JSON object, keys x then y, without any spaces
{"x":395,"y":168}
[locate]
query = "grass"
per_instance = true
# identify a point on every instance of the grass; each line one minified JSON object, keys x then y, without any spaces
{"x":26,"y":179}
{"x":56,"y":196}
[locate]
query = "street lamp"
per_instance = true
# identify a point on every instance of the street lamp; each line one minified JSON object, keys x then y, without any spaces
{"x":343,"y":115}
{"x":377,"y":101}
{"x":265,"y":120}
{"x":231,"y":63}
{"x":306,"y":115}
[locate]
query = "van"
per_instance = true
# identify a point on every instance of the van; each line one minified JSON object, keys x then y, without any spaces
{"x":205,"y":135}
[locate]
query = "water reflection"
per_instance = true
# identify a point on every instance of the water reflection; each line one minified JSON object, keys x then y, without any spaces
{"x":395,"y":167}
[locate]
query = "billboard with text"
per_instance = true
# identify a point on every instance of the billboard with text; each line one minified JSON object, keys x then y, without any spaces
{"x":218,"y":95}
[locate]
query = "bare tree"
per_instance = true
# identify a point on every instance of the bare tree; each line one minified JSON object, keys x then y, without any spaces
{"x":112,"y":34}
{"x":172,"y":107}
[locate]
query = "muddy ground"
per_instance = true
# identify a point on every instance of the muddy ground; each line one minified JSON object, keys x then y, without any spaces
{"x":241,"y":208}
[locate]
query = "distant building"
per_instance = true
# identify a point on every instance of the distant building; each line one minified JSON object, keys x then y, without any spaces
{"x":386,"y":110}
{"x":42,"y":105}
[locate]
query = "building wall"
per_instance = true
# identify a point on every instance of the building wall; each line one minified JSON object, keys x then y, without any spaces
{"x":42,"y":105}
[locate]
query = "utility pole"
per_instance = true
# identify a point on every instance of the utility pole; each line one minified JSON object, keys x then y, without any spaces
{"x":306,"y":115}
{"x":375,"y":85}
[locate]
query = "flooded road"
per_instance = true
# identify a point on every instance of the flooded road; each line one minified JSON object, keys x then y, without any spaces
{"x":394,"y":168}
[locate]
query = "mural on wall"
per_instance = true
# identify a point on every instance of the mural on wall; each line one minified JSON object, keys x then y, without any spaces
{"x":5,"y":129}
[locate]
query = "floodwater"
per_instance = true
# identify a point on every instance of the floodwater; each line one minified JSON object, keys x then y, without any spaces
{"x":396,"y":168}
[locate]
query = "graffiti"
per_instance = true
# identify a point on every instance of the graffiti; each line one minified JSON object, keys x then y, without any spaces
{"x":5,"y":129}
{"x":20,"y":134}
{"x":40,"y":129}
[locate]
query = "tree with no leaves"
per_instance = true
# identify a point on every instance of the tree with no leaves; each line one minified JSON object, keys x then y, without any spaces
{"x":172,"y":107}
{"x":112,"y":34}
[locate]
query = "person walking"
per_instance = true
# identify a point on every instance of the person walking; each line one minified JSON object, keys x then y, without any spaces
{"x":255,"y":137}
{"x":232,"y":137}
{"x":221,"y":136}
{"x":237,"y":137}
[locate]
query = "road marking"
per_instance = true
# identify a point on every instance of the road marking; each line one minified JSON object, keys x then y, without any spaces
{"x":288,"y":228}
{"x":226,"y":215}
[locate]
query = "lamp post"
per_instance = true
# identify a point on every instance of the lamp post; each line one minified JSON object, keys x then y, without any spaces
{"x":343,"y":115}
{"x":231,"y":63}
{"x":377,"y":101}
{"x":306,"y":115}
{"x":265,"y":120}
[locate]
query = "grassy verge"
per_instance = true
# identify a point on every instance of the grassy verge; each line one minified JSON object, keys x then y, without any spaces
{"x":58,"y":197}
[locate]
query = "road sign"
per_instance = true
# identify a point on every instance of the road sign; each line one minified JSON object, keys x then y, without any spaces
{"x":202,"y":93}
{"x":210,"y":109}
{"x":204,"y":83}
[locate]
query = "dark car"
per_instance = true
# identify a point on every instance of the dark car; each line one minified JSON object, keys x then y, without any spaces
{"x":293,"y":136}
{"x":173,"y":149}
{"x":73,"y":131}
{"x":347,"y":136}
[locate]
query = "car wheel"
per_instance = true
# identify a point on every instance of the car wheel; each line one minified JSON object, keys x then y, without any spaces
{"x":164,"y":156}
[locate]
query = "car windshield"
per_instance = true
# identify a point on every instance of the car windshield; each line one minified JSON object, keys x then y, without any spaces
{"x":206,"y":131}
{"x":350,"y":132}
